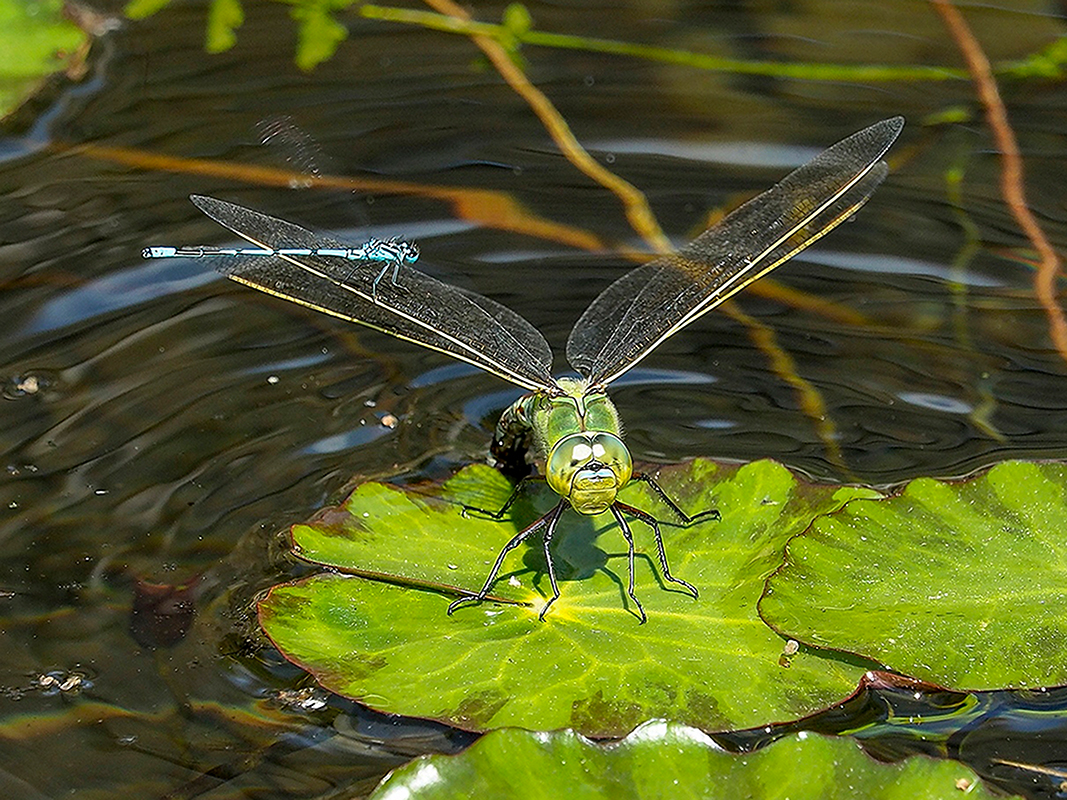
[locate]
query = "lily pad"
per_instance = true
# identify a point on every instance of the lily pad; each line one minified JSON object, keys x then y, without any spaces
{"x":589,"y":665}
{"x":670,"y":760}
{"x":959,"y":583}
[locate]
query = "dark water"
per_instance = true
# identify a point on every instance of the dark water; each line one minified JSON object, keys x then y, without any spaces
{"x":161,"y":425}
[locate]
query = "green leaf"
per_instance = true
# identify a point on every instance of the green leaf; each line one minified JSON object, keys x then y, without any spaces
{"x":670,"y":760}
{"x":320,"y":34}
{"x":35,"y":41}
{"x":224,"y":17}
{"x":140,"y":9}
{"x":709,"y":662}
{"x":957,"y":583}
{"x":517,"y":19}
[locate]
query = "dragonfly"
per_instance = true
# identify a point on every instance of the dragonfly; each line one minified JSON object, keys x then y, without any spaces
{"x":570,"y":426}
{"x":392,"y":252}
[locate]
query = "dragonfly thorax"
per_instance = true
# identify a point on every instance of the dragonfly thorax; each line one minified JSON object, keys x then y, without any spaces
{"x":576,"y":440}
{"x":395,"y":250}
{"x":589,"y":469}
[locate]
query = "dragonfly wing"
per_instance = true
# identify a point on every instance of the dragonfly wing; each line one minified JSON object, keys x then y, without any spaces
{"x":412,"y":306}
{"x":642,"y":308}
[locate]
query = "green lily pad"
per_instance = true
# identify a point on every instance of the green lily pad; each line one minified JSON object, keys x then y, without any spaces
{"x":670,"y":760}
{"x":589,"y":665}
{"x":960,"y":583}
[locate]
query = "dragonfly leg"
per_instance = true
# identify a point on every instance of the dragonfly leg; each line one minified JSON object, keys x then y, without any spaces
{"x":395,"y":264}
{"x":653,"y":523}
{"x":548,"y":519}
{"x":499,"y":514}
{"x":377,"y":280}
{"x":629,"y":537}
{"x":713,"y":513}
{"x":547,"y":541}
{"x":352,"y":271}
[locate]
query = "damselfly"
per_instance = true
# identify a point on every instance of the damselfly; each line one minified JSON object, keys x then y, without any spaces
{"x":570,"y":425}
{"x":392,"y":252}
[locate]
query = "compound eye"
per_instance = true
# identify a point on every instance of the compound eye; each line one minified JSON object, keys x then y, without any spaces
{"x":581,"y":453}
{"x":609,"y":450}
{"x":570,"y":454}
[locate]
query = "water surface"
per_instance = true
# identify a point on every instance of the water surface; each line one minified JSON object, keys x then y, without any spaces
{"x":162,"y":425}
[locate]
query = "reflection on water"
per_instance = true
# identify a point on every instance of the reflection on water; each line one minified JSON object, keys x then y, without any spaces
{"x":162,"y":427}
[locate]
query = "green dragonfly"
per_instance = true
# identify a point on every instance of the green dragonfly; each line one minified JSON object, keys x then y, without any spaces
{"x":569,"y":424}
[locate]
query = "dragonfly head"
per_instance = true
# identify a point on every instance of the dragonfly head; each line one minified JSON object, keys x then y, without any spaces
{"x":408,"y":252}
{"x":589,"y":469}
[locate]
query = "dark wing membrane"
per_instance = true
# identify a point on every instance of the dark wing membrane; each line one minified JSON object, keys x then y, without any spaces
{"x":410,"y":305}
{"x":642,"y":308}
